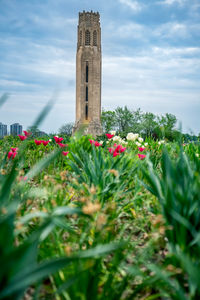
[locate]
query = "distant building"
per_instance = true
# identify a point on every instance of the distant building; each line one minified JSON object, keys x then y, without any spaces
{"x":3,"y":130}
{"x":15,"y":129}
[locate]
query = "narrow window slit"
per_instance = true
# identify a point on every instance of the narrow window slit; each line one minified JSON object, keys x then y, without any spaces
{"x":86,"y":94}
{"x":86,"y":73}
{"x":86,"y":112}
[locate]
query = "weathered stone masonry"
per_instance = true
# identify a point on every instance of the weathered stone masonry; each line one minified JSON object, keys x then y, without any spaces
{"x":88,"y":74}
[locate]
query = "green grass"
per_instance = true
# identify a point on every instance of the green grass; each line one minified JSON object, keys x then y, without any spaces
{"x":92,"y":226}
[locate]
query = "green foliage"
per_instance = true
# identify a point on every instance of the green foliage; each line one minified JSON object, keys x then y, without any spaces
{"x":147,"y":124}
{"x":66,"y":129}
{"x":178,"y":192}
{"x":107,"y":174}
{"x":108,"y":120}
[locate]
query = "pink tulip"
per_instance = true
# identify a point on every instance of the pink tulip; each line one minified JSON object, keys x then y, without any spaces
{"x":65,"y":153}
{"x":45,"y":142}
{"x":109,"y":136}
{"x":58,"y":139}
{"x":22,"y":137}
{"x":141,"y":149}
{"x":111,"y":150}
{"x":141,"y":156}
{"x":38,"y":142}
{"x":23,"y":178}
{"x":14,"y":149}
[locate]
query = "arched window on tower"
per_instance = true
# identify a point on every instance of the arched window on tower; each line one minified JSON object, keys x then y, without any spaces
{"x":80,"y":38}
{"x":95,"y":38}
{"x":87,"y":38}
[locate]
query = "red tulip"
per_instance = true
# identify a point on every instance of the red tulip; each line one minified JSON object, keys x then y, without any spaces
{"x":91,"y":141}
{"x":141,"y":156}
{"x":38,"y":142}
{"x":141,"y":149}
{"x":45,"y":142}
{"x":14,"y":154}
{"x":11,"y":154}
{"x":22,"y":137}
{"x":109,"y":136}
{"x":26,"y":133}
{"x":62,"y":145}
{"x":65,"y":153}
{"x":115,"y":153}
{"x":97,"y":144}
{"x":14,"y":149}
{"x":58,"y":139}
{"x":120,"y":149}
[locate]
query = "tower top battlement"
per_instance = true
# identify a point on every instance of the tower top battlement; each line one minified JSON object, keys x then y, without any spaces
{"x":89,"y":18}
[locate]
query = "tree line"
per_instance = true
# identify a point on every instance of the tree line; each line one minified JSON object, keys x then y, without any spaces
{"x":147,"y":124}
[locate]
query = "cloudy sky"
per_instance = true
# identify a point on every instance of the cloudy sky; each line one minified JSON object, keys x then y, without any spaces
{"x":150,"y":52}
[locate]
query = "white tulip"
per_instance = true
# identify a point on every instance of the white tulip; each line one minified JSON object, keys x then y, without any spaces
{"x":113,"y":132}
{"x":132,"y":136}
{"x":116,"y":138}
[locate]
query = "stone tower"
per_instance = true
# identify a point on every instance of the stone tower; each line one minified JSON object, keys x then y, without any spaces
{"x":88,"y":74}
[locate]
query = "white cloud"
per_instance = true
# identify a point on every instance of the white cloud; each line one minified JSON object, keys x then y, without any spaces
{"x":166,"y":31}
{"x":172,"y":29}
{"x":176,"y":51}
{"x":171,"y":2}
{"x":53,"y":21}
{"x":131,"y":29}
{"x":134,"y":5}
{"x":11,"y":83}
{"x":159,"y":80}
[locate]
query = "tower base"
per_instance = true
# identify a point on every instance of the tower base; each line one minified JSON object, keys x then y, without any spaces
{"x":92,"y":128}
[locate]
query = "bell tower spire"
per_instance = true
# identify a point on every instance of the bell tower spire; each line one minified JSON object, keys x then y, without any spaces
{"x":88,"y":74}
